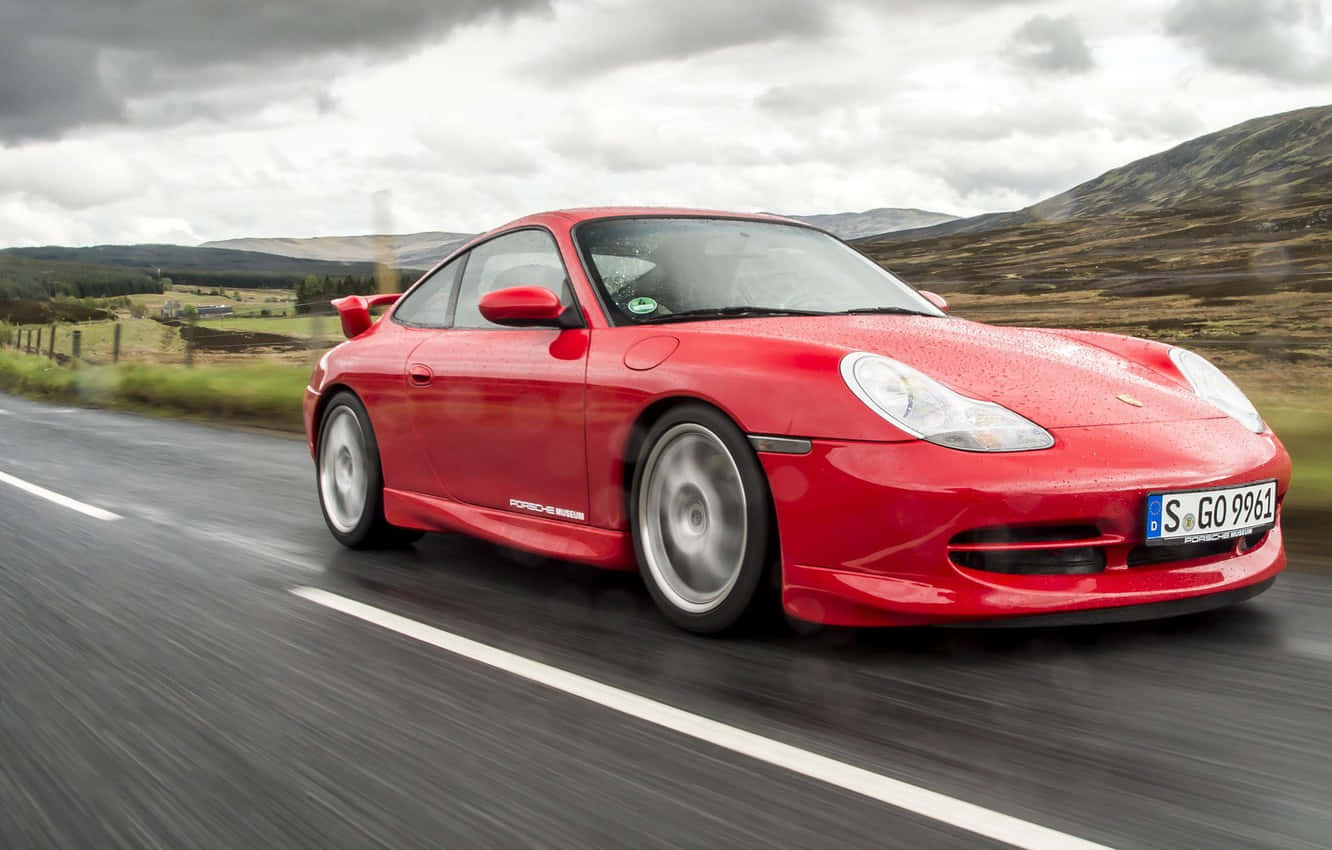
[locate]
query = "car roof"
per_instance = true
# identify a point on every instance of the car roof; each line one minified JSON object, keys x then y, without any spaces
{"x":570,"y":217}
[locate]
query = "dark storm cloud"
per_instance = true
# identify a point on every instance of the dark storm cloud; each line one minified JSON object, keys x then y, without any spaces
{"x":64,"y":63}
{"x":661,"y":31}
{"x":1050,"y":44}
{"x":1282,"y":39}
{"x":46,"y":85}
{"x":664,"y":30}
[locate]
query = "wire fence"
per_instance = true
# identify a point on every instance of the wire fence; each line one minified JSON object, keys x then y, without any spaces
{"x":104,"y":342}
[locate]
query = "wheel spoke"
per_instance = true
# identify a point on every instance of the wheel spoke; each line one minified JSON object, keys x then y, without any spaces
{"x":343,"y":470}
{"x":692,"y":517}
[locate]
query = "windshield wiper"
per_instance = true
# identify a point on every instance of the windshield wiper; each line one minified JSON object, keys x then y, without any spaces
{"x":733,"y":313}
{"x":887,"y":311}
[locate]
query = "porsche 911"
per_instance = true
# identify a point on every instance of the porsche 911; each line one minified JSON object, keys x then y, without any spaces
{"x":756,"y":417}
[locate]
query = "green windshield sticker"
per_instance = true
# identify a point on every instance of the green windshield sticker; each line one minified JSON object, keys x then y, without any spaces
{"x":642,"y":305}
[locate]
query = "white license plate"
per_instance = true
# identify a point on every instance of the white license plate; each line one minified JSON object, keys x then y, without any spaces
{"x":1220,"y":513}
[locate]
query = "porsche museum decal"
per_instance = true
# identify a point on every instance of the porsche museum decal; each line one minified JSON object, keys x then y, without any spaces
{"x":563,"y":513}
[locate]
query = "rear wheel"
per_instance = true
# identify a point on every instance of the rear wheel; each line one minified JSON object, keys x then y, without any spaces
{"x":701,"y":518}
{"x":351,"y":483}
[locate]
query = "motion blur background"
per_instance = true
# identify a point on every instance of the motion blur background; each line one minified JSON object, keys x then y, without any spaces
{"x":185,"y":185}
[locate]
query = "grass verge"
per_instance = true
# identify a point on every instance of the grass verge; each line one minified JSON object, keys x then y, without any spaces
{"x":1307,"y":435}
{"x":262,"y":394}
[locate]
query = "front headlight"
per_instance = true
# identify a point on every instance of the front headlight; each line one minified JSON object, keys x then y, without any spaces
{"x":1212,"y":386}
{"x":925,"y":408}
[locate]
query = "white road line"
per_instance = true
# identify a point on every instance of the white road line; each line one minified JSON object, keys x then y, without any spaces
{"x":63,"y":501}
{"x":963,"y":815}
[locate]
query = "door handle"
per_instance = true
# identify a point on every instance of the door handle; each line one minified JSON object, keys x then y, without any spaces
{"x":419,"y":375}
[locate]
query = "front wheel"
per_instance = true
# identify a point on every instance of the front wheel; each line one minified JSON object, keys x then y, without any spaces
{"x":351,"y":483}
{"x":702,"y":519}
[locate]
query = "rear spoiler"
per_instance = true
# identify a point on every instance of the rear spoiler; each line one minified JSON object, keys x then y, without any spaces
{"x":354,"y":310}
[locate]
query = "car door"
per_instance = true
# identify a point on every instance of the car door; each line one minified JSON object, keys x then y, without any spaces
{"x":422,"y":312}
{"x":499,"y":411}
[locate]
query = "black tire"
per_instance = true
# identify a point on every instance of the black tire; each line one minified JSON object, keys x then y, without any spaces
{"x":662,"y":487}
{"x":366,"y":528}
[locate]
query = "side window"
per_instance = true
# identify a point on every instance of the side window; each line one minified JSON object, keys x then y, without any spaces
{"x":428,"y":304}
{"x":525,"y":258}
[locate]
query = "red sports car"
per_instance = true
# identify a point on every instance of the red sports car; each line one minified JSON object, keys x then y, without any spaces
{"x":746,"y":409}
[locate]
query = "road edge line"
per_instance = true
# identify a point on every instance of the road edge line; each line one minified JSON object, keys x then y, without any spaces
{"x":55,"y":498}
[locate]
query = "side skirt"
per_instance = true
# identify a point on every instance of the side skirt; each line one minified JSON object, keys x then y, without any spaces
{"x":600,"y":547}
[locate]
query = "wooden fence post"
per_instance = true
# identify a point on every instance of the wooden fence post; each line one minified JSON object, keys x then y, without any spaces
{"x":115,"y":344}
{"x":50,"y":351}
{"x":27,"y":349}
{"x":189,"y":343}
{"x":39,"y":341}
{"x":78,"y":340}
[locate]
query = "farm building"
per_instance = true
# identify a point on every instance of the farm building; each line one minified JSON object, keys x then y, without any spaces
{"x":174,"y":310}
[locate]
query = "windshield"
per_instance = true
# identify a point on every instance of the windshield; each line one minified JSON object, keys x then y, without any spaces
{"x":650,"y":269}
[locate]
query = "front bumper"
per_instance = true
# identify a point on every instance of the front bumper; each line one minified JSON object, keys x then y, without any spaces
{"x":867,"y":529}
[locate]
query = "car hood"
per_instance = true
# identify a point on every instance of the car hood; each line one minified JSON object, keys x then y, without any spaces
{"x":1056,"y":379}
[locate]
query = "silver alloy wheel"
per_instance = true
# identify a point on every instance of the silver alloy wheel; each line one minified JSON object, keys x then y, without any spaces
{"x":692,"y":517}
{"x":344,"y":479}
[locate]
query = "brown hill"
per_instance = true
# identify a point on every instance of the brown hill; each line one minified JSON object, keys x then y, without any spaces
{"x":1262,"y":159}
{"x":1247,"y":210}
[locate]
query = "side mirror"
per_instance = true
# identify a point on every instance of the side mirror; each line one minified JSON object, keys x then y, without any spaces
{"x":935,"y":299}
{"x":354,"y":311}
{"x":522,"y":306}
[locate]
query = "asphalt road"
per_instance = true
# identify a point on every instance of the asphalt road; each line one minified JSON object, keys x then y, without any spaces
{"x":161,"y":686}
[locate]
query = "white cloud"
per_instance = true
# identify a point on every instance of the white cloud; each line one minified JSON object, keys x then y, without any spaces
{"x":875,"y":105}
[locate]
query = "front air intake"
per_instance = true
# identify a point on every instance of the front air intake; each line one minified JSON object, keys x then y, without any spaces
{"x":1034,"y":550}
{"x":1080,"y":560}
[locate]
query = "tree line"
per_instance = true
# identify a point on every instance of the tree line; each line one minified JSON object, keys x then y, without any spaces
{"x":313,"y":293}
{"x":35,"y":279}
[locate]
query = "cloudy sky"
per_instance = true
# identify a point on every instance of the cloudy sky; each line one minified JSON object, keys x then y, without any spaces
{"x":189,"y":120}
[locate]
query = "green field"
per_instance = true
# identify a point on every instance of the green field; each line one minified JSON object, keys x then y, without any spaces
{"x":249,"y":303}
{"x":140,"y":339}
{"x":267,"y":394}
{"x":1307,"y":435}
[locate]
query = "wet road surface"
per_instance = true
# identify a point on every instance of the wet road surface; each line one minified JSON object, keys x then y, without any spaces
{"x":161,"y":685}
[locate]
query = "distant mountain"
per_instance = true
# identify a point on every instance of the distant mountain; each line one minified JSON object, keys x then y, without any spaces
{"x":423,"y":250}
{"x":413,"y":250}
{"x":1244,"y":211}
{"x":1292,"y":151}
{"x":854,"y":225}
{"x":182,"y":258}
